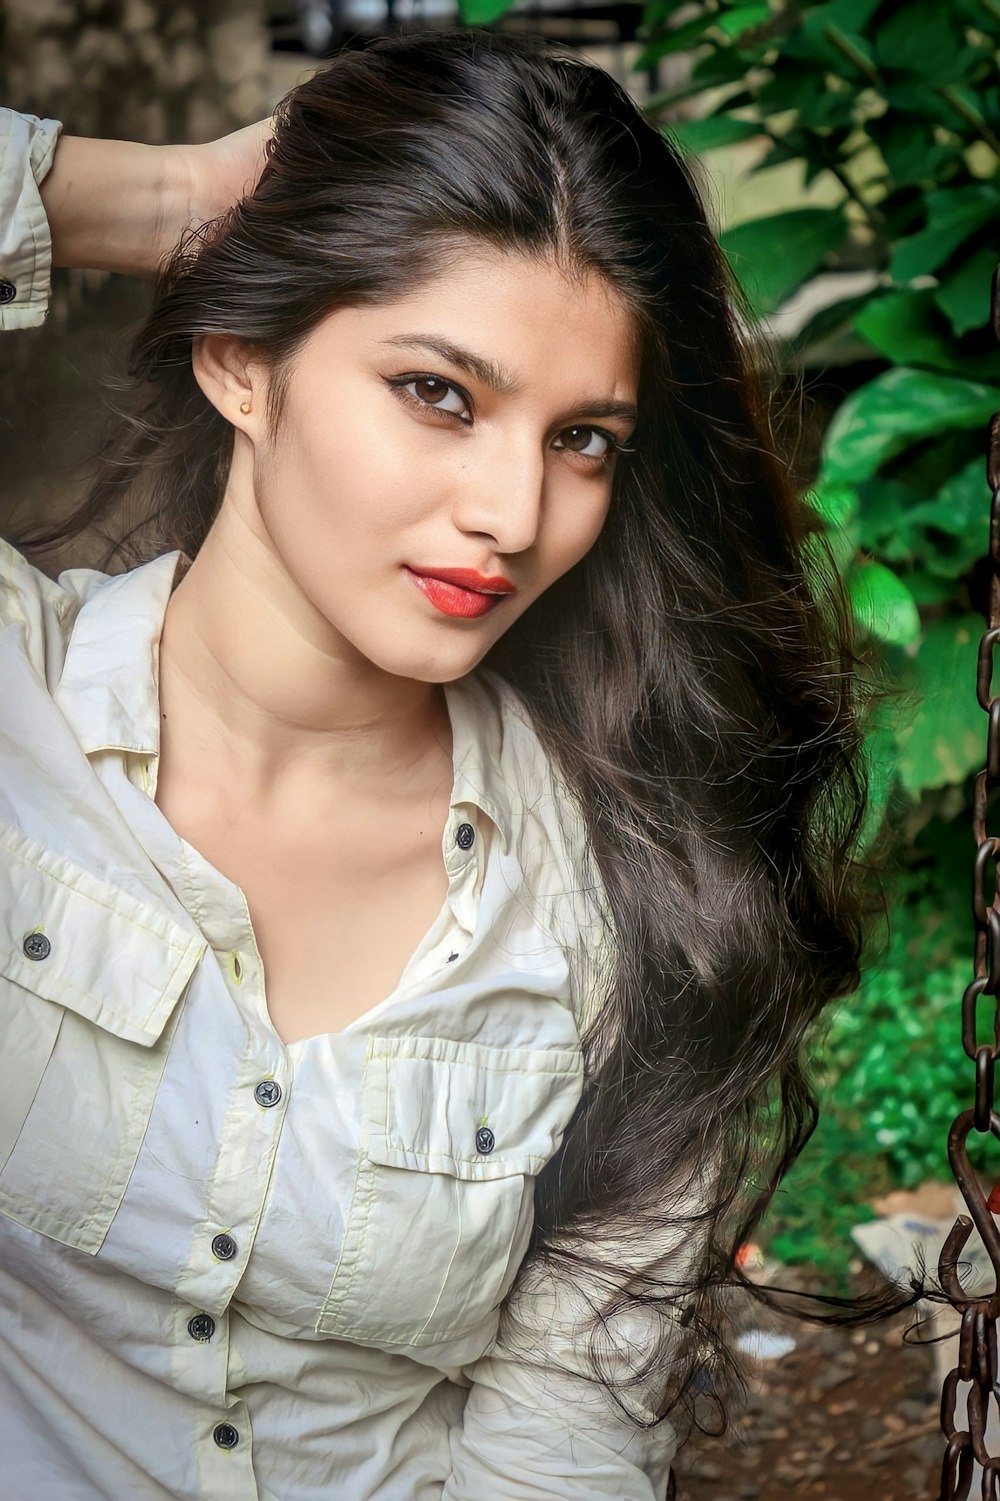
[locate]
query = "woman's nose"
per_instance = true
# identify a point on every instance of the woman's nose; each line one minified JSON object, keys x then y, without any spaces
{"x":501,"y":497}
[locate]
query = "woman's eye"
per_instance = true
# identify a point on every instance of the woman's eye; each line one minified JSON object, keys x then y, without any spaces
{"x":433,"y":391}
{"x":440,"y":395}
{"x":582,"y":439}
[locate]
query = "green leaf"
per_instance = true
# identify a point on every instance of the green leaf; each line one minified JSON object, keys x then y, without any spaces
{"x":673,"y":39}
{"x":905,"y":326}
{"x":921,"y":37}
{"x":964,"y":297}
{"x":927,"y":589}
{"x":836,"y":504}
{"x":482,"y":12}
{"x":944,"y":738}
{"x":791,"y":86}
{"x":830,"y":39}
{"x":729,"y":62}
{"x":899,"y":325}
{"x":733,"y":23}
{"x":773,"y":256}
{"x":966,"y":107}
{"x":831,"y":111}
{"x":909,"y":147}
{"x":882,"y":604}
{"x":849,"y":15}
{"x":961,"y":511}
{"x":780,"y":152}
{"x":895,"y":410}
{"x":699,"y":136}
{"x":882,"y":516}
{"x":880,"y":759}
{"x":953,"y":215}
{"x":658,"y":12}
{"x":718,"y":77}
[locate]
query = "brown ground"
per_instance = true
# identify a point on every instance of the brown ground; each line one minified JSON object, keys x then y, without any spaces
{"x":849,"y":1415}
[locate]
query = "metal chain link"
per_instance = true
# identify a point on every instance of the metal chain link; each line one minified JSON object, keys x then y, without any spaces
{"x":977,"y":1342}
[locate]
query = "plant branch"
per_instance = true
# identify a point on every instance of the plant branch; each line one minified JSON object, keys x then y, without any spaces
{"x":854,"y":55}
{"x":970,"y":114}
{"x":875,"y":219}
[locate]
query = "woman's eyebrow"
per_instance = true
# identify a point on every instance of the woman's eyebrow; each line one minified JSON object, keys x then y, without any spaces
{"x":497,"y":378}
{"x":489,"y":372}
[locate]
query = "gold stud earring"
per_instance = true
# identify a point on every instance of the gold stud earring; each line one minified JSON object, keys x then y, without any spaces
{"x":245,"y":408}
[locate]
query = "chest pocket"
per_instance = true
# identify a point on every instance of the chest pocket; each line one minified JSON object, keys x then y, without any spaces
{"x":455,"y":1134}
{"x":89,"y":984}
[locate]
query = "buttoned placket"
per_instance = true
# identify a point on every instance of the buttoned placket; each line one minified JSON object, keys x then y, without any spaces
{"x":463,"y":849}
{"x":252,"y":1126}
{"x":246,"y":1151}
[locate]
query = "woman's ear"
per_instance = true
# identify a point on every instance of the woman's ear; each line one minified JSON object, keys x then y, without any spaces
{"x":230,"y":381}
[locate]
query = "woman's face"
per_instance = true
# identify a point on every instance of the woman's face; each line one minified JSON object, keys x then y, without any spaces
{"x":471,"y":426}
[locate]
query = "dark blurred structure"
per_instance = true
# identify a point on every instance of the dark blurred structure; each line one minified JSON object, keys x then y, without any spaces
{"x":132,"y":70}
{"x":320,"y":27}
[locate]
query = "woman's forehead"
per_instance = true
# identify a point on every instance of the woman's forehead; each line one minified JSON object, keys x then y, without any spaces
{"x":513,"y":320}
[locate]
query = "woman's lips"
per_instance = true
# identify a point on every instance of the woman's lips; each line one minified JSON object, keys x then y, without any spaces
{"x":452,"y":599}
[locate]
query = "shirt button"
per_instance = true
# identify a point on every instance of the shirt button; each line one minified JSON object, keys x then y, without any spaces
{"x":267,"y":1093}
{"x":465,"y":836}
{"x":485,"y":1140}
{"x":224,"y":1247}
{"x":202,"y":1326}
{"x":8,"y":291}
{"x":37,"y":946}
{"x":226,"y":1436}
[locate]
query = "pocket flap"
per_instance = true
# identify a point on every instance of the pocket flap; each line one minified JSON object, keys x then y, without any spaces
{"x":108,"y":957}
{"x":467,"y":1109}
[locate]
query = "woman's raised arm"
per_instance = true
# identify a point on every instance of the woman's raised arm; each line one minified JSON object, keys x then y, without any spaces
{"x":107,"y":205}
{"x":122,"y":206}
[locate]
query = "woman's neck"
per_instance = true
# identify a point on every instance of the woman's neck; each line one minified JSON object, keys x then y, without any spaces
{"x":253,"y":685}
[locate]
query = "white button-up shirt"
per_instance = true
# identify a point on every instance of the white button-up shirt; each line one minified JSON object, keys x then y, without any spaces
{"x":234,"y":1269}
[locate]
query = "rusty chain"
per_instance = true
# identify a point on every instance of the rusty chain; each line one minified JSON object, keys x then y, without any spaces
{"x":977,"y":1342}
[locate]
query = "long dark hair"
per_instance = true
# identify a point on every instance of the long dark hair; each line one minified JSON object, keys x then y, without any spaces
{"x":694,"y":691}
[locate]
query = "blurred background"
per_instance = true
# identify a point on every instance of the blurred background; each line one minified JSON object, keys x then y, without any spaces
{"x":848,"y":154}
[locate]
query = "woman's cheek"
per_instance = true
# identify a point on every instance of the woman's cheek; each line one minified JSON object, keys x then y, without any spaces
{"x":584,"y":536}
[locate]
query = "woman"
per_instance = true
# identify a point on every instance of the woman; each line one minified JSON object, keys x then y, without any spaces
{"x":419,"y":869}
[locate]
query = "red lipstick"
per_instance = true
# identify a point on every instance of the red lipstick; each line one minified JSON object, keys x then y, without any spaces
{"x":461,"y":591}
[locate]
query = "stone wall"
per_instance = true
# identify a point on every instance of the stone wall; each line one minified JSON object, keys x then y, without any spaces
{"x":176,"y":70}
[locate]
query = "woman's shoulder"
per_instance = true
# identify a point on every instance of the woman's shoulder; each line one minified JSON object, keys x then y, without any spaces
{"x":36,"y":612}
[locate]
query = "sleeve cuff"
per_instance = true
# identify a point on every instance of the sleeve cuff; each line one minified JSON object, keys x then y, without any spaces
{"x":27,"y":146}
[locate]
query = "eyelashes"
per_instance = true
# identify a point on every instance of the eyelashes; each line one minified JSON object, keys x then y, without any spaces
{"x":399,"y":384}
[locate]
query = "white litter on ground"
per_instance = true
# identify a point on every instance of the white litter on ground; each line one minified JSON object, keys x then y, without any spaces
{"x":760,"y":1345}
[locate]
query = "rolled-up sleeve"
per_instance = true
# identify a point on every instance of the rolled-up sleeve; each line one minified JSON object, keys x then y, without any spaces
{"x":27,"y":145}
{"x":538,"y":1425}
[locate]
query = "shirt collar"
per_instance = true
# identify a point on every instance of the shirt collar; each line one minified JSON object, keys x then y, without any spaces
{"x":109,"y":688}
{"x":478,"y":725}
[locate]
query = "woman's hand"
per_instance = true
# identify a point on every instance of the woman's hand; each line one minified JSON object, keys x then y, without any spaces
{"x":123,"y":206}
{"x":221,"y":173}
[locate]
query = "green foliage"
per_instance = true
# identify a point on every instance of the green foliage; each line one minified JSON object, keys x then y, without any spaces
{"x":893,"y":1077}
{"x":775,"y":255}
{"x":893,"y":107}
{"x":823,"y":1197}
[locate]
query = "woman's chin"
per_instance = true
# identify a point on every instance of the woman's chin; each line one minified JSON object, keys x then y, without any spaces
{"x":437,"y":661}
